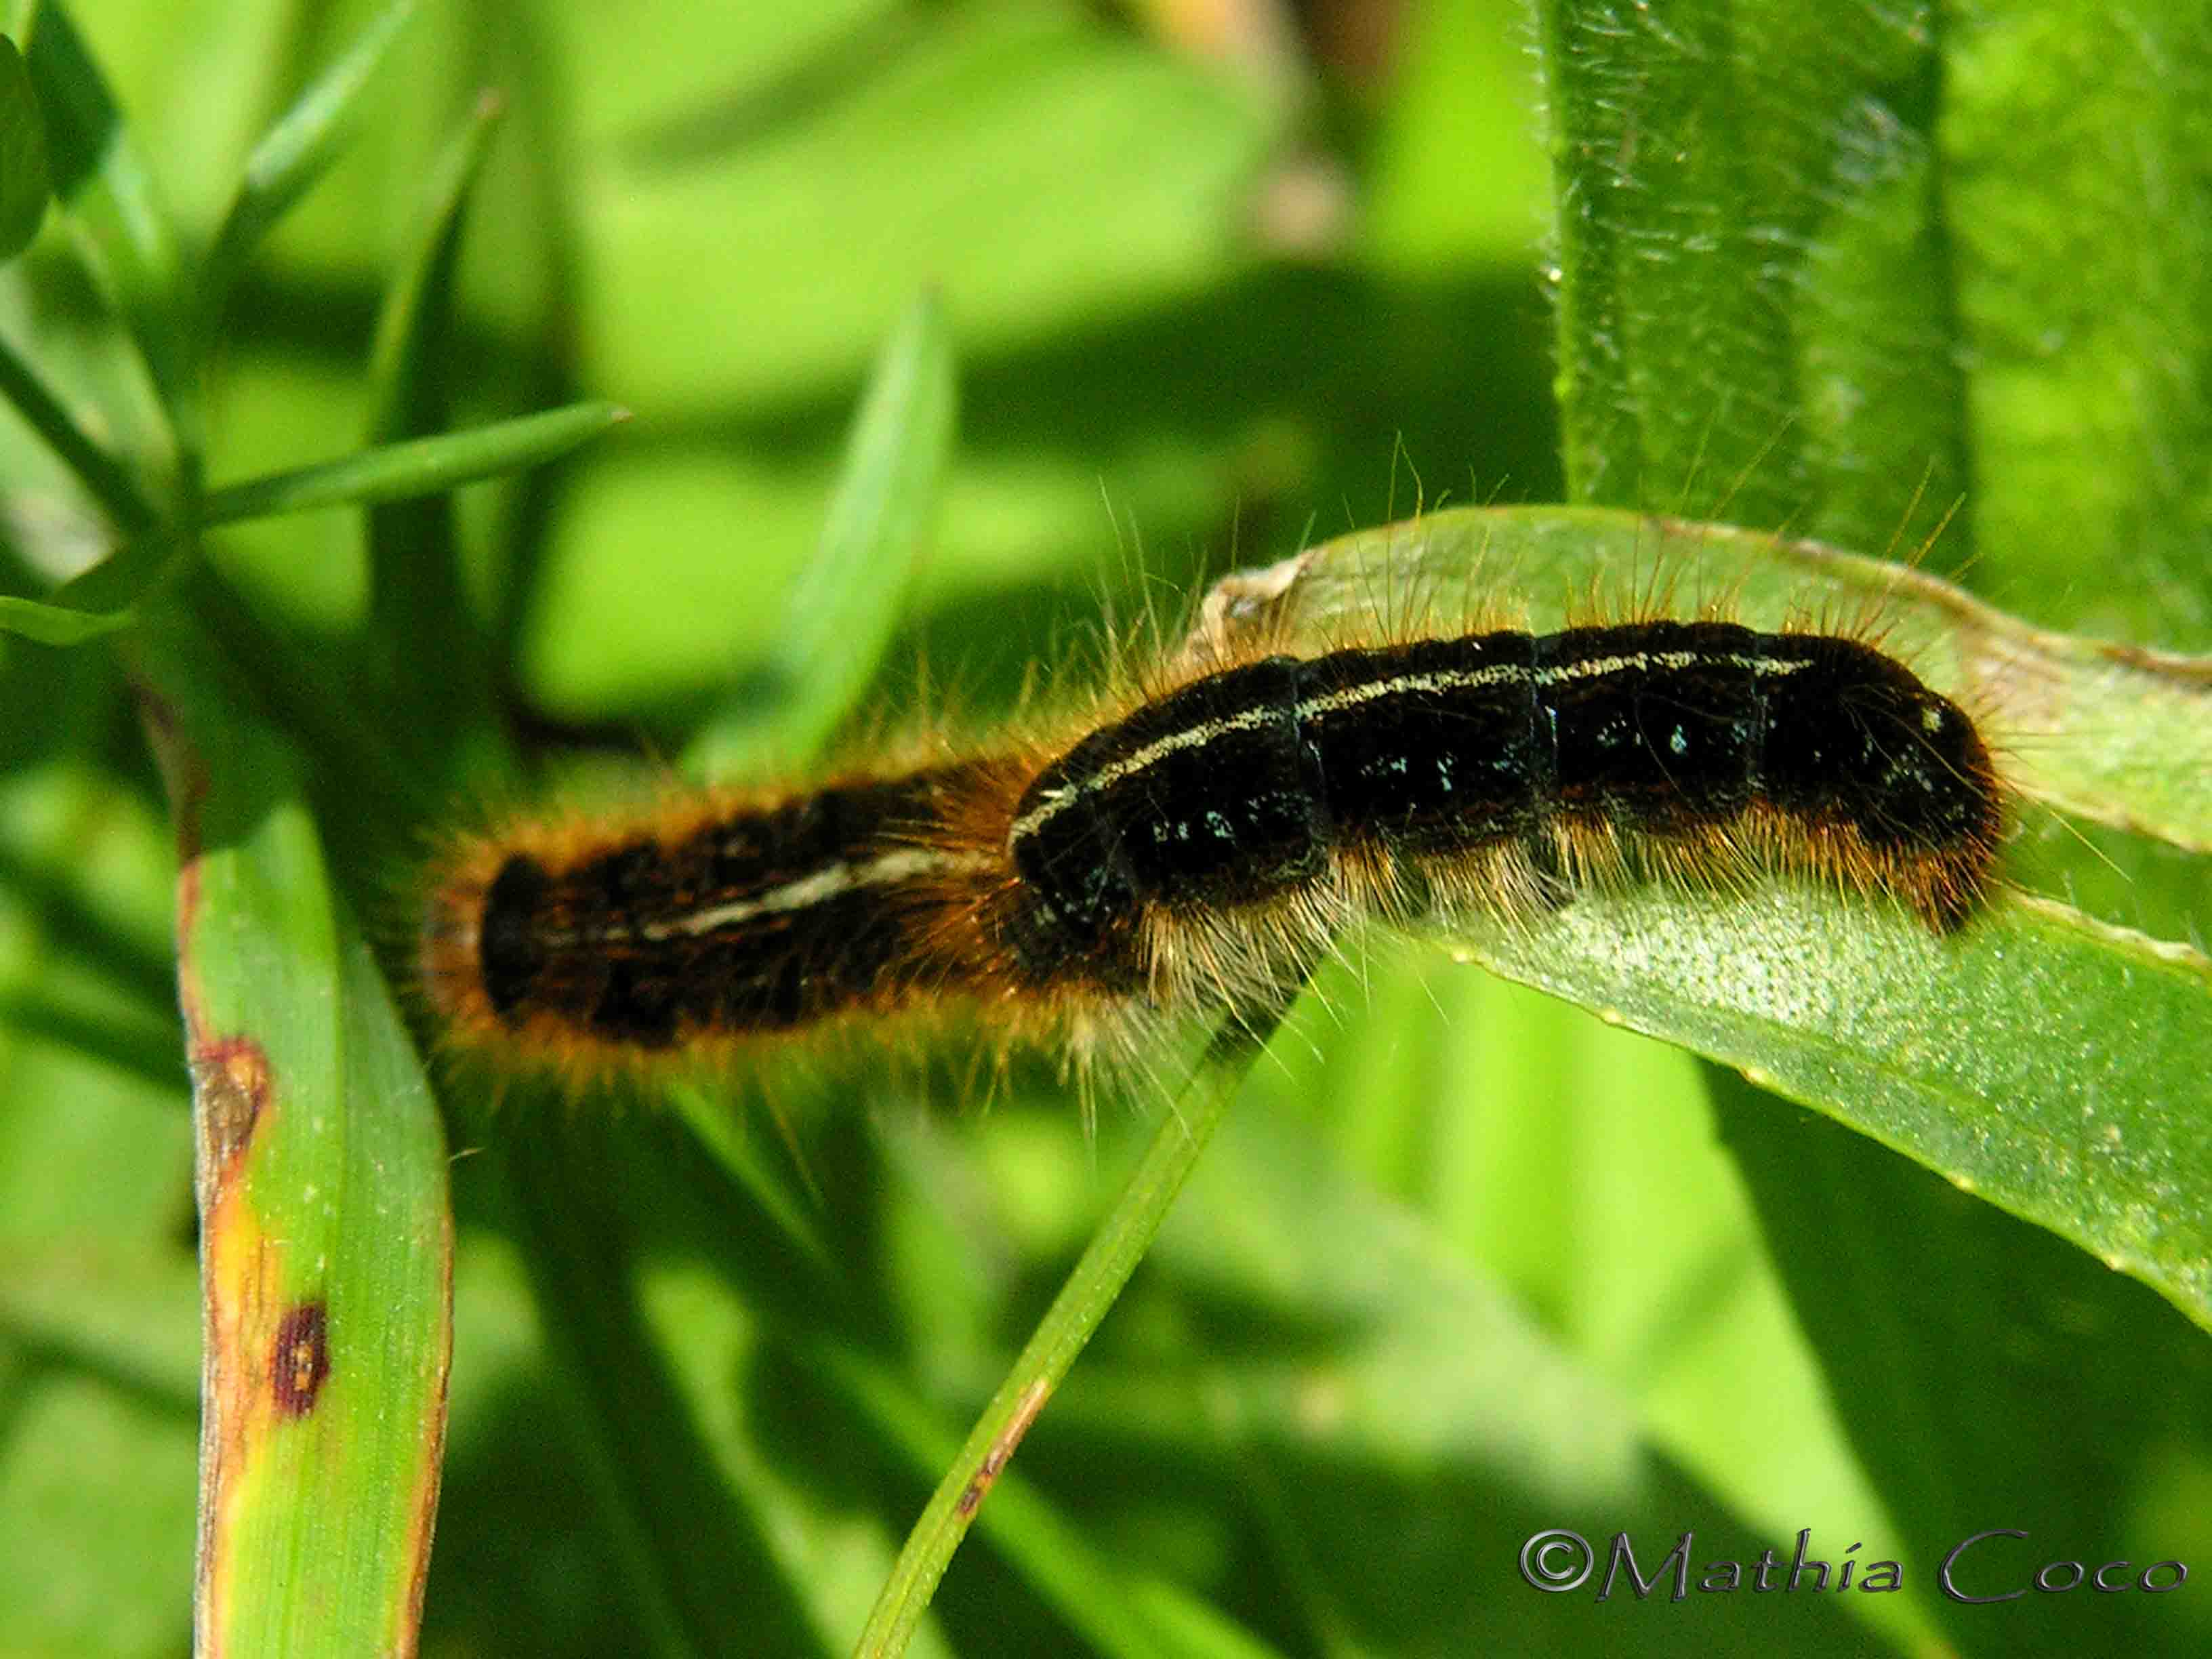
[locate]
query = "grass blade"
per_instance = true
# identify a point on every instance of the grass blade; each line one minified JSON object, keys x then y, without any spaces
{"x":325,"y":1242}
{"x":411,"y":325}
{"x":1108,"y":1261}
{"x":419,"y":609}
{"x":99,"y":471}
{"x":419,"y":466}
{"x":841,"y":611}
{"x":25,"y":182}
{"x":100,"y":176}
{"x":296,"y":151}
{"x":105,"y":598}
{"x":57,"y":624}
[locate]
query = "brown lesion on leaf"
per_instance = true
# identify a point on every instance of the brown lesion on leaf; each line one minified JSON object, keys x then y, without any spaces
{"x":299,"y":1358}
{"x":995,"y":1461}
{"x":231,"y":1083}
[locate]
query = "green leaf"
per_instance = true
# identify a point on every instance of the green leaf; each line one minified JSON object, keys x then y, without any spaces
{"x":418,"y":604}
{"x":842,"y":609}
{"x":99,"y":471}
{"x":1838,"y":272}
{"x":24,"y":183}
{"x":296,"y":151}
{"x":2053,"y":1067}
{"x":1114,"y":1250}
{"x":420,"y":466}
{"x":57,"y":624}
{"x":412,"y":324}
{"x":103,"y":180}
{"x":705,"y":1576}
{"x":105,"y":598}
{"x":326,"y":1245}
{"x":1754,"y":321}
{"x":2076,"y":198}
{"x":1897,"y":1275}
{"x":1835,"y":270}
{"x":2056,"y":1065}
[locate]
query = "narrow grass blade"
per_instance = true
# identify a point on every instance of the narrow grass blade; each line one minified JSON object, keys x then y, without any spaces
{"x":841,"y":611}
{"x":57,"y":624}
{"x":105,"y":598}
{"x":695,"y":1560}
{"x":1114,"y":1611}
{"x":325,"y":1241}
{"x":1111,"y":1256}
{"x":147,"y":1051}
{"x":104,"y":477}
{"x":406,"y":362}
{"x":296,"y":151}
{"x":418,"y":608}
{"x":25,"y":181}
{"x":101,"y":177}
{"x":420,"y":466}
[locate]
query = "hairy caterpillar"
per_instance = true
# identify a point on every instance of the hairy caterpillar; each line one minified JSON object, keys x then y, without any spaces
{"x":1179,"y":850}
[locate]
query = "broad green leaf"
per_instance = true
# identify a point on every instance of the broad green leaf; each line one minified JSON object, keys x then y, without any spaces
{"x":1850,"y":272}
{"x":24,"y":182}
{"x":2056,"y":1066}
{"x":1965,"y":1335}
{"x":419,"y":466}
{"x":2076,"y":198}
{"x":840,"y":612}
{"x":325,"y":1244}
{"x":1753,"y":320}
{"x":296,"y":151}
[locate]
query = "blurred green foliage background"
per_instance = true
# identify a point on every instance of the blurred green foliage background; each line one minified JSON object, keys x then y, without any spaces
{"x":1223,"y":282}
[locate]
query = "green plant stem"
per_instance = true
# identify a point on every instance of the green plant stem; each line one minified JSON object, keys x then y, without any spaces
{"x":1113,"y":1254}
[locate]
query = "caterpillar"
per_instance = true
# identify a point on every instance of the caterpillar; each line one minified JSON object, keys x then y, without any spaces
{"x":1169,"y":851}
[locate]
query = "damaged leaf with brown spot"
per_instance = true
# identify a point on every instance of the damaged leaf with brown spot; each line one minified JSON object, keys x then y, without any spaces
{"x":326,"y":1246}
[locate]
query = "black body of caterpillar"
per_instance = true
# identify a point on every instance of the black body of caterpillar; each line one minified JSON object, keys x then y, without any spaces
{"x":1226,"y":827}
